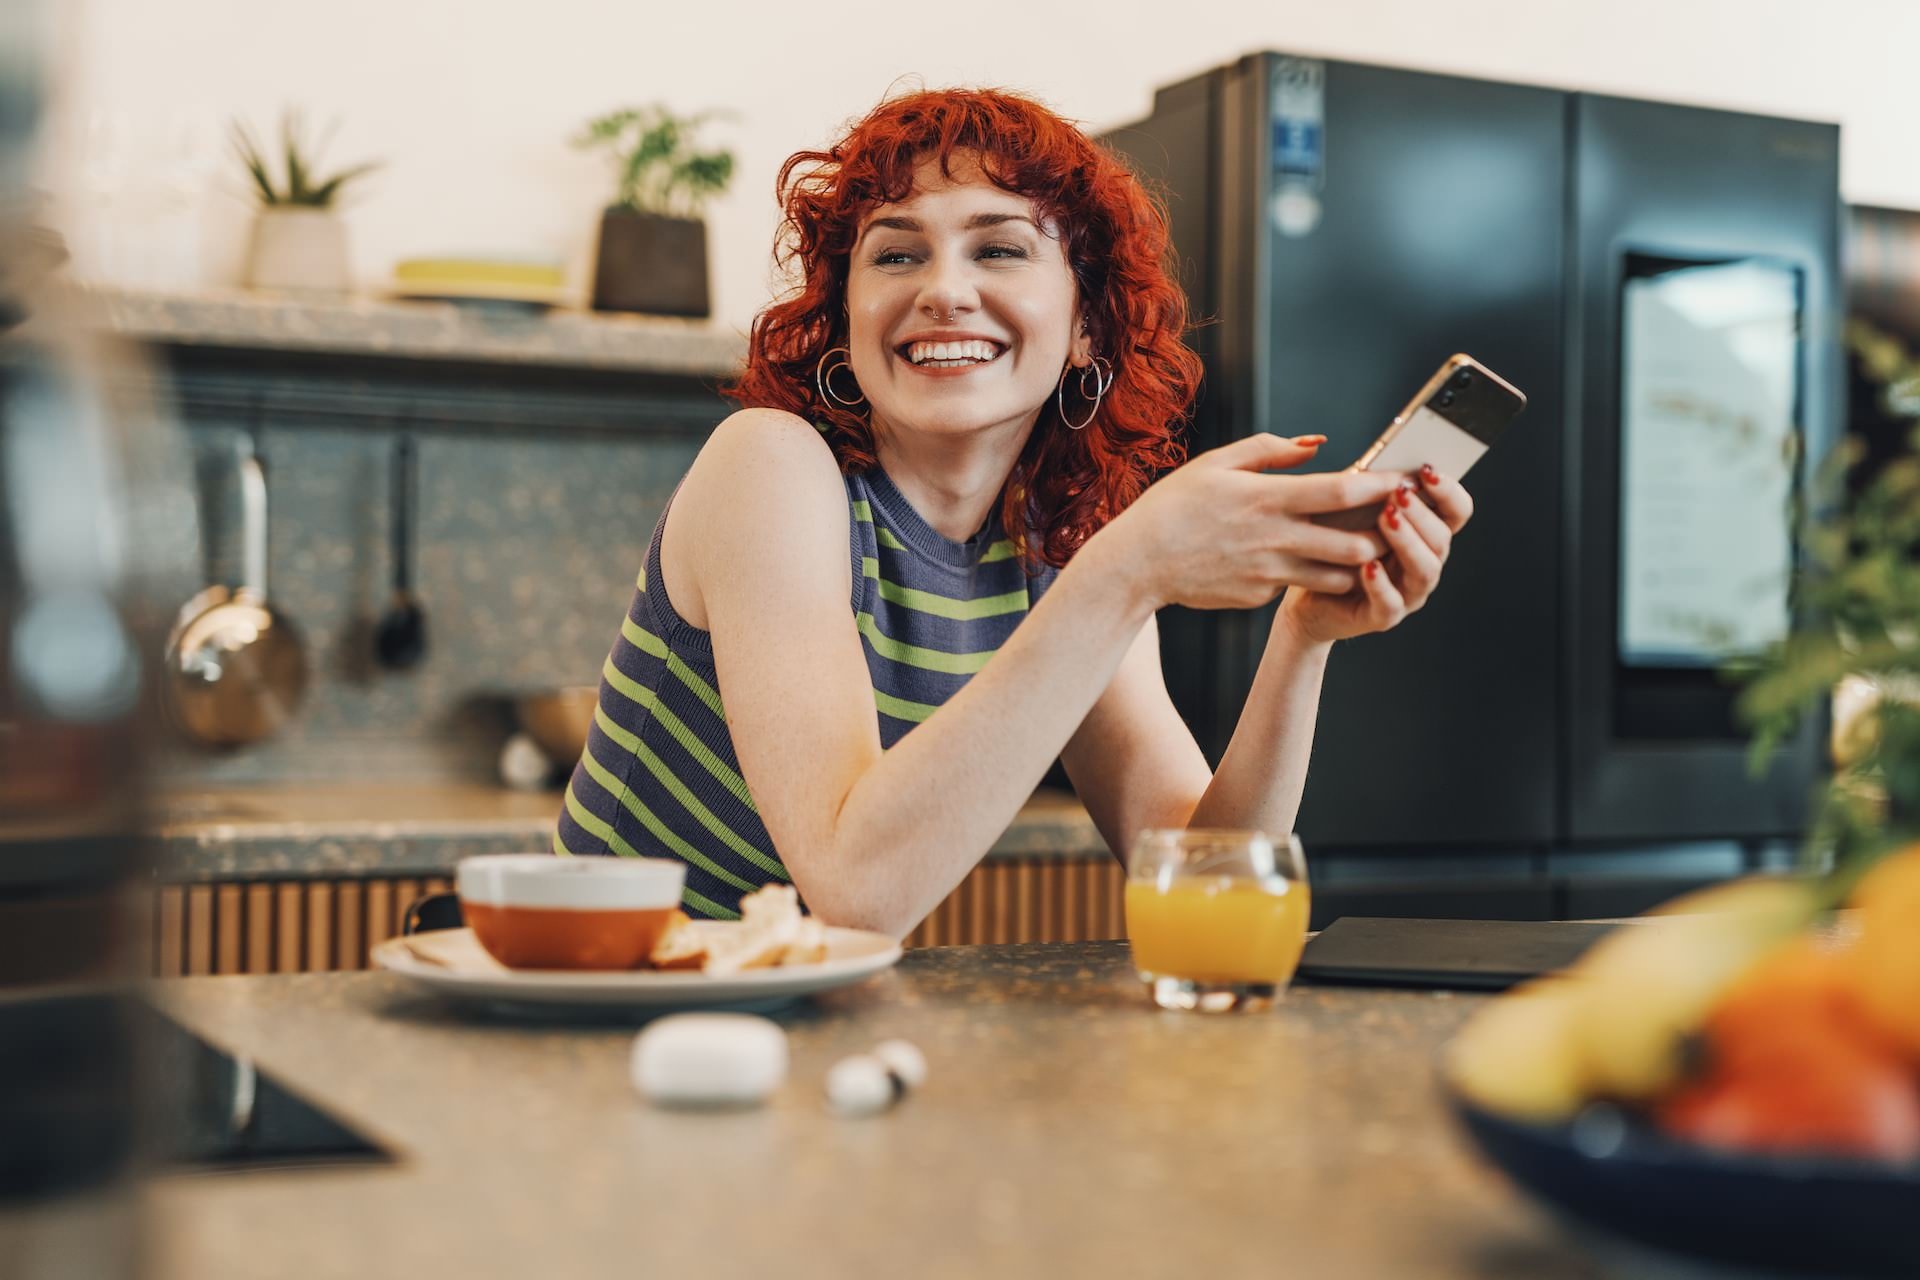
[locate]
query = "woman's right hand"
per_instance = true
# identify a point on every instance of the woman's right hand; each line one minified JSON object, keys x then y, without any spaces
{"x":1217,"y":534}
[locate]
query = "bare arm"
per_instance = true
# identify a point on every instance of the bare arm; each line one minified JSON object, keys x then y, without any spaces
{"x":879,"y":838}
{"x":1264,"y":768}
{"x":872,"y":838}
{"x":1135,"y":765}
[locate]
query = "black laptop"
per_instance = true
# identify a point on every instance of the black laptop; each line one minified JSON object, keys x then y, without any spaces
{"x":1461,"y":955}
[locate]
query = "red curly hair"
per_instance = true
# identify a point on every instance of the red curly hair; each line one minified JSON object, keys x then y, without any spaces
{"x":1066,"y":484}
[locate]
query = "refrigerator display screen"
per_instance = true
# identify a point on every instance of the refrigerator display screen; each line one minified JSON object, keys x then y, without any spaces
{"x":1709,"y":440}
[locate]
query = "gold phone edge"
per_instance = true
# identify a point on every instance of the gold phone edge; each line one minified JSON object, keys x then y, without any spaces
{"x":1454,"y":363}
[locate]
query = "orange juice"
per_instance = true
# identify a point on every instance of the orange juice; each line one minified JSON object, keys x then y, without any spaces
{"x":1219,"y":929}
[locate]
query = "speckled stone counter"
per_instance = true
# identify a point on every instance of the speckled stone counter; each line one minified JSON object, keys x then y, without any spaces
{"x":421,"y":330}
{"x":1066,"y":1129}
{"x":251,"y":833}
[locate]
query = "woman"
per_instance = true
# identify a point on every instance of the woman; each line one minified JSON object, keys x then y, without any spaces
{"x":942,"y":457}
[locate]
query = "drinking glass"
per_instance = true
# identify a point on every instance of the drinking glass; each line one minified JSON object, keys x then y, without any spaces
{"x":1216,"y":919}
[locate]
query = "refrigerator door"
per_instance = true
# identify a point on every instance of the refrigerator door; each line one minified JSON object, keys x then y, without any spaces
{"x":1705,"y":301}
{"x":1438,"y":229}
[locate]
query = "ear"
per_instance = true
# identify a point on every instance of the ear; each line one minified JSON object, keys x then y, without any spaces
{"x":1080,"y":350}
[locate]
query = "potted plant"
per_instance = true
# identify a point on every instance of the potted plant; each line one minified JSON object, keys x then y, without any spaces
{"x":299,"y":240}
{"x":1860,"y":644}
{"x":652,"y":253}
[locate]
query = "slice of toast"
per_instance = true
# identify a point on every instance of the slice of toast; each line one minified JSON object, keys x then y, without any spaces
{"x":769,"y":923}
{"x":680,"y":946}
{"x":809,"y":945}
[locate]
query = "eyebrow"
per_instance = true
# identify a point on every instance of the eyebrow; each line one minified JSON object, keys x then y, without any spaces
{"x":899,"y":223}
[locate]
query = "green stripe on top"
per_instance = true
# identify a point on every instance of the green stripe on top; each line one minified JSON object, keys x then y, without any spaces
{"x":944,"y":606}
{"x":688,"y":801}
{"x":656,"y":828}
{"x":706,"y":906}
{"x":648,"y":643}
{"x":674,"y":725}
{"x":604,"y":832}
{"x":595,"y":827}
{"x":901,"y":709}
{"x":863,"y":512}
{"x":960,"y":664}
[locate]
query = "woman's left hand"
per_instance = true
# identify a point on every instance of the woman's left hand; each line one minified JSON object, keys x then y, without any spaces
{"x":1417,"y":524}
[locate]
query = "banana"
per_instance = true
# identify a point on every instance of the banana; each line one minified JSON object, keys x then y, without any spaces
{"x":1518,"y":1055}
{"x":1645,"y":987}
{"x":1615,"y":1024}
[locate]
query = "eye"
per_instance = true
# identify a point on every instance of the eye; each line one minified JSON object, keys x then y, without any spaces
{"x":1003,"y":250}
{"x":891,"y":257}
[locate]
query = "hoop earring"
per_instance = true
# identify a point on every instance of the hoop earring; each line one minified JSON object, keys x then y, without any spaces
{"x":823,"y":378}
{"x":1102,"y":379}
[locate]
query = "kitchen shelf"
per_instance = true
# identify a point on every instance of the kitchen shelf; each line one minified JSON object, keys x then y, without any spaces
{"x":429,"y":331}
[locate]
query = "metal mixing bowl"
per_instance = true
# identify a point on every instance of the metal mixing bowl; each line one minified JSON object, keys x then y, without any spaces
{"x":558,"y":719}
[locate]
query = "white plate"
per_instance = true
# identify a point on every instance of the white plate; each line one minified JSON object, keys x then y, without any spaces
{"x":452,"y":963}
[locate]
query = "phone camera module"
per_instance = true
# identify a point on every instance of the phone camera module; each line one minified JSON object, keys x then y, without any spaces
{"x":1445,"y":398}
{"x":1463,"y":379}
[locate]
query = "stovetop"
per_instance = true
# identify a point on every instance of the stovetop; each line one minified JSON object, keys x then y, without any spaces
{"x":217,"y":1111}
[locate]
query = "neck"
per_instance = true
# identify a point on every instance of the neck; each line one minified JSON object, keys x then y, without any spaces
{"x":953,"y":482}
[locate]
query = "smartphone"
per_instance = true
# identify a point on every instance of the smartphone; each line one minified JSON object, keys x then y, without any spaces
{"x":1450,"y":424}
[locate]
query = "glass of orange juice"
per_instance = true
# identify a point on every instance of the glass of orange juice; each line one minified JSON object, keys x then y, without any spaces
{"x":1216,"y":919}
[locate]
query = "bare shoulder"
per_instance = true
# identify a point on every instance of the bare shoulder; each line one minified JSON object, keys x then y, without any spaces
{"x":765,"y":493}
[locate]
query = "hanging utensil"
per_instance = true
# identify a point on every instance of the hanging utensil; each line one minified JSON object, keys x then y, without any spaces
{"x":236,"y":669}
{"x":400,"y":637}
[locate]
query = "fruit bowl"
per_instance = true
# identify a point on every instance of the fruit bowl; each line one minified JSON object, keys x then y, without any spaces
{"x":1612,"y":1172}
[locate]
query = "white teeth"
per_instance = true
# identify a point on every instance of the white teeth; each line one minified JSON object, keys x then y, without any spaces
{"x":933,"y":352}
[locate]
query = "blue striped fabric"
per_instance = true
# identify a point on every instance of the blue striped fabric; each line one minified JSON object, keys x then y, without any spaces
{"x":659,"y":777}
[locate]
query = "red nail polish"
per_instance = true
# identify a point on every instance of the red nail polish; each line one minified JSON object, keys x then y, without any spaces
{"x":1405,"y":494}
{"x":1428,"y":474}
{"x":1393,"y":517}
{"x":1309,"y":442}
{"x":1373,"y":568}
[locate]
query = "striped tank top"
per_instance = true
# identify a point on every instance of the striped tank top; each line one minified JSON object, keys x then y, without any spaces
{"x":659,"y":777}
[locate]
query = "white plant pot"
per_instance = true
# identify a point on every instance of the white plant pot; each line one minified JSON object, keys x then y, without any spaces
{"x":299,"y":251}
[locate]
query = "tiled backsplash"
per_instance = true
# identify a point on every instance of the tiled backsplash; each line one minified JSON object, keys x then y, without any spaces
{"x":526,"y":550}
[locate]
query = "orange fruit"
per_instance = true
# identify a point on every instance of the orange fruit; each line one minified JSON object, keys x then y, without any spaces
{"x":1794,"y":1065}
{"x":1885,"y":961}
{"x":1840,"y":1101}
{"x":1796,"y":997}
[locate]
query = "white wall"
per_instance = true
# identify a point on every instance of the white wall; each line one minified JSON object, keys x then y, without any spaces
{"x":470,"y":102}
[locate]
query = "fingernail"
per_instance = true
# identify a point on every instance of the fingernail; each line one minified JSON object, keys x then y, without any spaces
{"x":1428,"y":474}
{"x":1373,"y":568}
{"x":1309,"y":442}
{"x":1393,"y":517}
{"x":1405,"y":494}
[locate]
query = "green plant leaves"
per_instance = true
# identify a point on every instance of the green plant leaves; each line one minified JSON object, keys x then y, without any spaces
{"x":1859,"y":591}
{"x":656,"y":168}
{"x":302,"y":189}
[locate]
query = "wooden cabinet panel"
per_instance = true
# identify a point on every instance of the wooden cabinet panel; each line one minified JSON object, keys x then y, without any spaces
{"x":302,"y":926}
{"x":200,"y":930}
{"x":257,"y":928}
{"x":170,"y":935}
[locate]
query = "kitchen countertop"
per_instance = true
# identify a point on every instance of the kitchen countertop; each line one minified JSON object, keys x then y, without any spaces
{"x":369,"y":326}
{"x":1066,"y":1128}
{"x":247,"y":833}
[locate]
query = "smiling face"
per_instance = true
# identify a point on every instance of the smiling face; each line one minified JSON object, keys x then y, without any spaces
{"x":961,"y":308}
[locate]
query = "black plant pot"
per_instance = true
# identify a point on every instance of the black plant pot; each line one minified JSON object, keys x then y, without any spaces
{"x":651,"y":263}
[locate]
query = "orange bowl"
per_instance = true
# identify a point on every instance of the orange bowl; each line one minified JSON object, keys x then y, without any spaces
{"x":539,"y":911}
